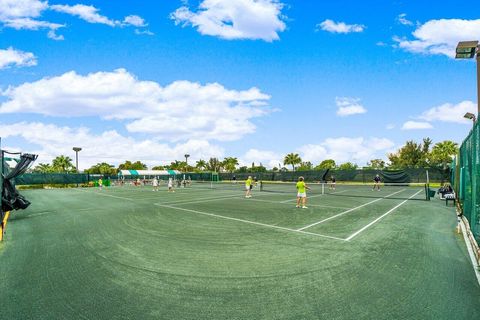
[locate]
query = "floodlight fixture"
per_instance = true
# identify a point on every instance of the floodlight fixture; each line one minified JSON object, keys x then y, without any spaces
{"x":466,"y":50}
{"x":470,"y":116}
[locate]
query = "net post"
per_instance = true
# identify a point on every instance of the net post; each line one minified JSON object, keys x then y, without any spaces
{"x":427,"y":186}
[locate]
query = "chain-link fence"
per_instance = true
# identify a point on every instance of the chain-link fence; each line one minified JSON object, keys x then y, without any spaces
{"x":466,"y":179}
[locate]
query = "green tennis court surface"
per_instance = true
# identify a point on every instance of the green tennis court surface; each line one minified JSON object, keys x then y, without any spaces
{"x":200,"y":253}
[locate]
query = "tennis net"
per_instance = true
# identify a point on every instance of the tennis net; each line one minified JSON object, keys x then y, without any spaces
{"x":221,"y":185}
{"x":412,"y":191}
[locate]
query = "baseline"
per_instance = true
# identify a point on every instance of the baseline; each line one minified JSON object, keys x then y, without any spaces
{"x":349,"y":210}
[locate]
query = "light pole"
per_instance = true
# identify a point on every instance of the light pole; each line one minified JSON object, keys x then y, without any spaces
{"x":186,"y":161}
{"x":468,"y":50}
{"x":76,"y":149}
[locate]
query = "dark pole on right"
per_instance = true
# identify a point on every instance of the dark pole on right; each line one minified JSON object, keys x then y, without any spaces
{"x":468,"y":50}
{"x":478,"y":82}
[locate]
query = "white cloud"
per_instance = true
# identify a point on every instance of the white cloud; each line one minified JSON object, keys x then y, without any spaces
{"x":267,"y":158}
{"x":416,"y":125}
{"x":450,"y":112}
{"x":340,"y":27}
{"x":402,"y":19}
{"x":358,"y":150}
{"x":11,"y":57}
{"x":12,"y":9}
{"x":109,"y":146}
{"x":84,"y":12}
{"x":179,"y":111}
{"x":440,"y":36}
{"x":145,"y":32}
{"x":390,"y":126}
{"x":235,"y":19}
{"x":134,"y":20}
{"x":24,"y":14}
{"x":349,"y":106}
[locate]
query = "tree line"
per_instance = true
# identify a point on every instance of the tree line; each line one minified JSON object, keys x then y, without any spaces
{"x":411,"y":155}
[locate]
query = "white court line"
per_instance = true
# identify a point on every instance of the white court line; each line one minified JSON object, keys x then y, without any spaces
{"x":318,"y":195}
{"x":100,"y":193}
{"x":232,"y":195}
{"x":349,"y":210}
{"x":200,"y":200}
{"x":379,"y":218}
{"x":310,"y":205}
{"x":470,"y":251}
{"x":249,"y":222}
{"x":105,"y":195}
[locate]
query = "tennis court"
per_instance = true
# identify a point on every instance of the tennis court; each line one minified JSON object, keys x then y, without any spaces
{"x":209,"y":253}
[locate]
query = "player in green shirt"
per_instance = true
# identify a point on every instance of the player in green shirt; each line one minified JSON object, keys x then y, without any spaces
{"x":302,"y":193}
{"x":248,"y":187}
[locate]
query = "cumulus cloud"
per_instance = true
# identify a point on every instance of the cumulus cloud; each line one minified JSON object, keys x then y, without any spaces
{"x":109,"y":146}
{"x":25,"y":14}
{"x":339,"y":27}
{"x":179,"y":111}
{"x":349,"y":106}
{"x":450,"y":112}
{"x":416,"y":125}
{"x":11,"y":9}
{"x":235,"y":19}
{"x":358,"y":150}
{"x":11,"y":57}
{"x":267,"y":158}
{"x":134,"y":20}
{"x":440,"y":36}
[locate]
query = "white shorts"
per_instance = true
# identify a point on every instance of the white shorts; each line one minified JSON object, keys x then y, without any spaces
{"x":301,"y":195}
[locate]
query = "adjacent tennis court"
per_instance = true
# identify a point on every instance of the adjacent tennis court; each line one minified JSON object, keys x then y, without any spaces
{"x":206,"y":252}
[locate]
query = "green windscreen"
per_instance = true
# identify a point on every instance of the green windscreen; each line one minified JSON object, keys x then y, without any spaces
{"x":1,"y":184}
{"x":467,"y":179}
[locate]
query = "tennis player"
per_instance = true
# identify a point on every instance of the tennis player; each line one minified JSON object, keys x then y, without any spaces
{"x":170,"y":185}
{"x":100,"y":183}
{"x":155,"y":184}
{"x":302,"y":193}
{"x":248,"y":187}
{"x":376,"y":182}
{"x":333,"y":182}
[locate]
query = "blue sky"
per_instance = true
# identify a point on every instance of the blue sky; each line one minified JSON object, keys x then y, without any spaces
{"x":255,"y":79}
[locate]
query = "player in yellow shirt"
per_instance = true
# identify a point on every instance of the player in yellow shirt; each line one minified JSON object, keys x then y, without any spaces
{"x":248,"y":187}
{"x":302,"y":193}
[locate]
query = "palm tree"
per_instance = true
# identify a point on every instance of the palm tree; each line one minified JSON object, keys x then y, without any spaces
{"x":43,"y":168}
{"x":443,"y":152}
{"x":201,"y":164}
{"x":293,"y":159}
{"x":62,"y":163}
{"x":105,"y":168}
{"x":230,"y":164}
{"x":213,"y":164}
